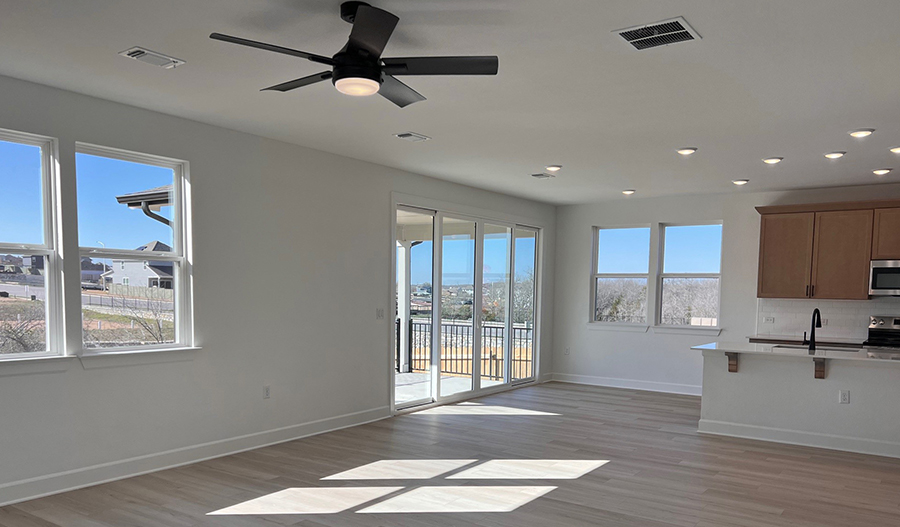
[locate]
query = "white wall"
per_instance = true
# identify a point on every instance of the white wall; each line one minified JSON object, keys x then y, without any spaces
{"x":308,"y":329}
{"x":656,"y":361}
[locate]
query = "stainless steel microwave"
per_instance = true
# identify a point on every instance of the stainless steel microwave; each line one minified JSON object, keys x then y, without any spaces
{"x":884,"y":278}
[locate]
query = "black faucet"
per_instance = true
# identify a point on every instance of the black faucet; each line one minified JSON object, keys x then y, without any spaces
{"x":816,"y":323}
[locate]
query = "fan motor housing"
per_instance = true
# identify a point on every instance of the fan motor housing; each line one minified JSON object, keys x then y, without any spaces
{"x":349,"y":66}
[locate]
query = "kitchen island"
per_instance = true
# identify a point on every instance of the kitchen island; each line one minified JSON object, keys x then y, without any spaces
{"x":785,"y":394}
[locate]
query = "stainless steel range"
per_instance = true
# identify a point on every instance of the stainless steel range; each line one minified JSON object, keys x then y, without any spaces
{"x":884,"y":335}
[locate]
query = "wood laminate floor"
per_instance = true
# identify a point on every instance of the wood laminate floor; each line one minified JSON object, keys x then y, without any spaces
{"x":548,"y":455}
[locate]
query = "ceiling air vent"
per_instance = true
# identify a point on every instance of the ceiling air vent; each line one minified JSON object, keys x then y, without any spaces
{"x":659,"y":33}
{"x":151,"y":57}
{"x":543,"y":175}
{"x":412,"y":137}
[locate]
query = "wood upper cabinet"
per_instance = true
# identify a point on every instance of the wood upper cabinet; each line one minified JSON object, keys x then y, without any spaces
{"x":842,"y":250}
{"x":785,"y":255}
{"x":886,"y":237}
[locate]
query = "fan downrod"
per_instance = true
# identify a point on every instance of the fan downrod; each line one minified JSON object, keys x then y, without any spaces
{"x":348,"y":10}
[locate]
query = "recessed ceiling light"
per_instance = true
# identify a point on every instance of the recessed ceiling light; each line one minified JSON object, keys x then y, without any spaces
{"x":896,"y":150}
{"x":543,"y":175}
{"x":553,"y":168}
{"x":862,"y":132}
{"x":741,"y":182}
{"x":687,"y":150}
{"x":835,"y":155}
{"x":772,"y":160}
{"x":881,"y":171}
{"x":628,"y":192}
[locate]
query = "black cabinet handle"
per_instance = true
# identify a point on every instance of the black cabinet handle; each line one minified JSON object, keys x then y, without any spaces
{"x":812,"y":291}
{"x":807,"y":290}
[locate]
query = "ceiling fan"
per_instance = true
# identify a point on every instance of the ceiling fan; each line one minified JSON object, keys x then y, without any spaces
{"x":359,"y":69}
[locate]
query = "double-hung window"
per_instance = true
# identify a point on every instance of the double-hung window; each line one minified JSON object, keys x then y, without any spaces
{"x":689,"y":282}
{"x":621,"y":275}
{"x":30,"y":273}
{"x":132,"y":231}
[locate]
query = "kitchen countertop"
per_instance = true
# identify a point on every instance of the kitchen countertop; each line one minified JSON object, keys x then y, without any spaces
{"x":823,"y":340}
{"x":823,"y":352}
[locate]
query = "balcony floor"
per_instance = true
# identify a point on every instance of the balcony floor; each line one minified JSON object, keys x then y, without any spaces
{"x":417,"y":386}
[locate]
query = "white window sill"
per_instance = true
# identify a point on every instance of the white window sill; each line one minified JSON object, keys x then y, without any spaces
{"x":618,"y":326}
{"x":34,"y":364}
{"x":135,"y":357}
{"x":688,"y":330}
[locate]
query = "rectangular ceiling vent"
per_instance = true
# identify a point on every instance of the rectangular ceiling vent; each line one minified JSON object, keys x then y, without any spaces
{"x":659,"y":33}
{"x":412,"y":137}
{"x":151,"y":57}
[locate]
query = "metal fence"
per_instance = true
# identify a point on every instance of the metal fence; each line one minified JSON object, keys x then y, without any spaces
{"x":456,"y":349}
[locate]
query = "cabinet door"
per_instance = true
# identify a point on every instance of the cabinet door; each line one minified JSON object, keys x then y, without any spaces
{"x":886,"y":240}
{"x":785,"y":255}
{"x":842,"y":247}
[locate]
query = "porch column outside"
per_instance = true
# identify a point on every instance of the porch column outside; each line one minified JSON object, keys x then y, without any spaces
{"x":403,"y":294}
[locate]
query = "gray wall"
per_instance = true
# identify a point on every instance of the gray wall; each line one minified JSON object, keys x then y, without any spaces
{"x":656,"y":361}
{"x":324,"y":223}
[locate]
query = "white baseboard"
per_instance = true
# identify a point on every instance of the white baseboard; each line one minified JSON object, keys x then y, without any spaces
{"x":633,"y":384}
{"x":796,"y":437}
{"x":46,"y":485}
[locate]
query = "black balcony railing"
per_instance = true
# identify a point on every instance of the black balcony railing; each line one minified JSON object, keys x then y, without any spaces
{"x":456,"y":349}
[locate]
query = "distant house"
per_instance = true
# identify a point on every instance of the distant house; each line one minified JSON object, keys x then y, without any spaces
{"x":147,"y":273}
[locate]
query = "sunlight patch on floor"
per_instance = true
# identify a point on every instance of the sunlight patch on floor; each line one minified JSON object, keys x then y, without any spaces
{"x":478,"y":409}
{"x":459,"y":499}
{"x":402,"y":469}
{"x":530,"y":469}
{"x":308,"y":501}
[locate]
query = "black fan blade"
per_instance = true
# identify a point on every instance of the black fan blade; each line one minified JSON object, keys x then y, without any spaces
{"x":299,"y":83}
{"x":441,"y":66}
{"x":270,"y":47}
{"x":372,"y":28}
{"x":398,"y":93}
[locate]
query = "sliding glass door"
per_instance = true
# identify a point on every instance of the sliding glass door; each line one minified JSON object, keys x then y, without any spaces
{"x":458,"y":307}
{"x":413,"y":317}
{"x":494,"y":304}
{"x":480,"y":277}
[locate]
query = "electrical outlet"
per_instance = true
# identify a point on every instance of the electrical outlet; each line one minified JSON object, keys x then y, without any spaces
{"x":267,"y":392}
{"x":769,"y":320}
{"x":844,"y":396}
{"x":567,"y":351}
{"x":824,"y":321}
{"x":379,"y":313}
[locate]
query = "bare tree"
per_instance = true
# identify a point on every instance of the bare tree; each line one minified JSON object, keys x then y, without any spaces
{"x":23,"y":332}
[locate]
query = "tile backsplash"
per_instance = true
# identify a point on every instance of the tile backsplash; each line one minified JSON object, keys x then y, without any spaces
{"x":846,"y":319}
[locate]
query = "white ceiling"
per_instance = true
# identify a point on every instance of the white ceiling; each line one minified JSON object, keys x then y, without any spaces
{"x":769,"y":78}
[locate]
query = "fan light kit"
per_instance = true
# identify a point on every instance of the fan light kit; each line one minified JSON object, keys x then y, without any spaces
{"x":628,"y":192}
{"x":835,"y":155}
{"x":357,"y":86}
{"x":358,"y":69}
{"x":882,"y":171}
{"x":896,"y":150}
{"x":687,"y":150}
{"x":773,"y":160}
{"x":553,"y":168}
{"x":741,"y":182}
{"x":862,"y":132}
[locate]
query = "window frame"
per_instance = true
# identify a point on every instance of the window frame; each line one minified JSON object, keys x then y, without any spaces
{"x":50,"y":248}
{"x":595,"y":274}
{"x":661,"y":275}
{"x":180,"y":255}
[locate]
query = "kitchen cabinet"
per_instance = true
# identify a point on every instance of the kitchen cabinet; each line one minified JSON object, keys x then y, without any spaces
{"x":823,"y":250}
{"x":785,"y":255}
{"x":886,"y":235}
{"x":842,"y":250}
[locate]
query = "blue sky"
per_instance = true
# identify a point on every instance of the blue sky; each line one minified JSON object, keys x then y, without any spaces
{"x":689,"y":249}
{"x":101,"y":219}
{"x":458,"y":260}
